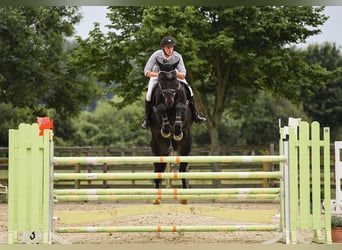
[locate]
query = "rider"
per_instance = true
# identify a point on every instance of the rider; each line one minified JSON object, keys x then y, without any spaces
{"x":166,"y":55}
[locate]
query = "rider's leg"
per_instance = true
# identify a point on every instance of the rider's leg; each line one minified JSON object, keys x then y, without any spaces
{"x":196,"y":117}
{"x":151,"y":84}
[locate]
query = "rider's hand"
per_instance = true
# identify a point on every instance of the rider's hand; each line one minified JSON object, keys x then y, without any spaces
{"x":180,"y":75}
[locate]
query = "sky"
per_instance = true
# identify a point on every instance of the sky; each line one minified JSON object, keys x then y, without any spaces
{"x":330,"y":30}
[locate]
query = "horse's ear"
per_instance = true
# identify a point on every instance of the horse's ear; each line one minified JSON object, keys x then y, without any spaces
{"x":159,"y":64}
{"x":167,"y":66}
{"x":174,"y":66}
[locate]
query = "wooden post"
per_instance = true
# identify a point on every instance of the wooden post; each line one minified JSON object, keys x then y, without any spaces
{"x":266,"y":167}
{"x":77,"y":170}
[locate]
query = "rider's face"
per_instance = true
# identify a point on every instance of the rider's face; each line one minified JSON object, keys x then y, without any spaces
{"x":168,"y":50}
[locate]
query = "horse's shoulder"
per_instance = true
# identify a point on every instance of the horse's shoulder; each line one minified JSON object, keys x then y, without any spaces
{"x":182,"y":83}
{"x":155,"y":90}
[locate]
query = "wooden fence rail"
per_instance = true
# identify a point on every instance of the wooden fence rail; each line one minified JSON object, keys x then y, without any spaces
{"x":146,"y":151}
{"x":143,"y":167}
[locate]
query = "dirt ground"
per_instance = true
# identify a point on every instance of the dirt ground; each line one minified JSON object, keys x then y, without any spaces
{"x":170,"y":218}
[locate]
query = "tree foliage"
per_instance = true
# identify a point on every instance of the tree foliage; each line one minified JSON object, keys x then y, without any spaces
{"x":260,"y":119}
{"x":10,"y":118}
{"x":105,"y":126}
{"x":231,"y":53}
{"x":36,"y":70}
{"x":324,"y":104}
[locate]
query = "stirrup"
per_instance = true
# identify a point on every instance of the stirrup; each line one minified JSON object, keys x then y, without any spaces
{"x":199,"y":119}
{"x":145,"y":124}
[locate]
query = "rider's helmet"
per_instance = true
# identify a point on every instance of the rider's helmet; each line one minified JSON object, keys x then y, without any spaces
{"x":167,"y":41}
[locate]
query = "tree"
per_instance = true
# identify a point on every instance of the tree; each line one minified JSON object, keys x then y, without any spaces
{"x":10,"y":118}
{"x":231,"y":53}
{"x":324,"y":105}
{"x":260,"y":119}
{"x":105,"y":126}
{"x":36,"y":71}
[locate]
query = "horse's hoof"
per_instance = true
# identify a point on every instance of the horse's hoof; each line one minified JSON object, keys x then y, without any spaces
{"x":156,"y":202}
{"x":184,"y":202}
{"x":164,"y":134}
{"x":178,"y":137}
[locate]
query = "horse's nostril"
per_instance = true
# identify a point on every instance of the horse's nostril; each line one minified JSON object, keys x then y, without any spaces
{"x":169,"y":103}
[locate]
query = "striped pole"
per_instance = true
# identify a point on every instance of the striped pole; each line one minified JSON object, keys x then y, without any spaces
{"x":130,"y":229}
{"x":174,"y":176}
{"x":167,"y":197}
{"x":30,"y":199}
{"x":137,"y":191}
{"x":167,"y":159}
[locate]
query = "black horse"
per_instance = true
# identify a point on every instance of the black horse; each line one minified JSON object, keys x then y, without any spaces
{"x":171,"y":120}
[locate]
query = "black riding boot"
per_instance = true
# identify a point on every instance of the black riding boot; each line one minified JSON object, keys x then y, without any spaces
{"x":145,"y":124}
{"x":196,"y":117}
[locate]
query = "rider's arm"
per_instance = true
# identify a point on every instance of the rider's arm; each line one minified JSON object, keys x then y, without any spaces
{"x":150,"y":70}
{"x":151,"y":73}
{"x":180,"y":75}
{"x":181,"y":71}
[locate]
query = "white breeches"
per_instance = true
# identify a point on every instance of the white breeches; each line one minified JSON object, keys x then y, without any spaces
{"x":154,"y":81}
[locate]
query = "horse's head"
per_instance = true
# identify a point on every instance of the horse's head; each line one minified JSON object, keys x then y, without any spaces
{"x":168,"y":83}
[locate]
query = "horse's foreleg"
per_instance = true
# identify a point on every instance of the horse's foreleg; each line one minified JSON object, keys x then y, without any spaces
{"x":166,"y":128}
{"x":178,"y":134}
{"x":161,"y":112}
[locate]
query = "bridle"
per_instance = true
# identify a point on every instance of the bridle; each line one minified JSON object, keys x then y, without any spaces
{"x":169,"y":92}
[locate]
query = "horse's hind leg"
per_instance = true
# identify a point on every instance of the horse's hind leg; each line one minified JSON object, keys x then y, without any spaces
{"x":158,"y":168}
{"x":184,"y":167}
